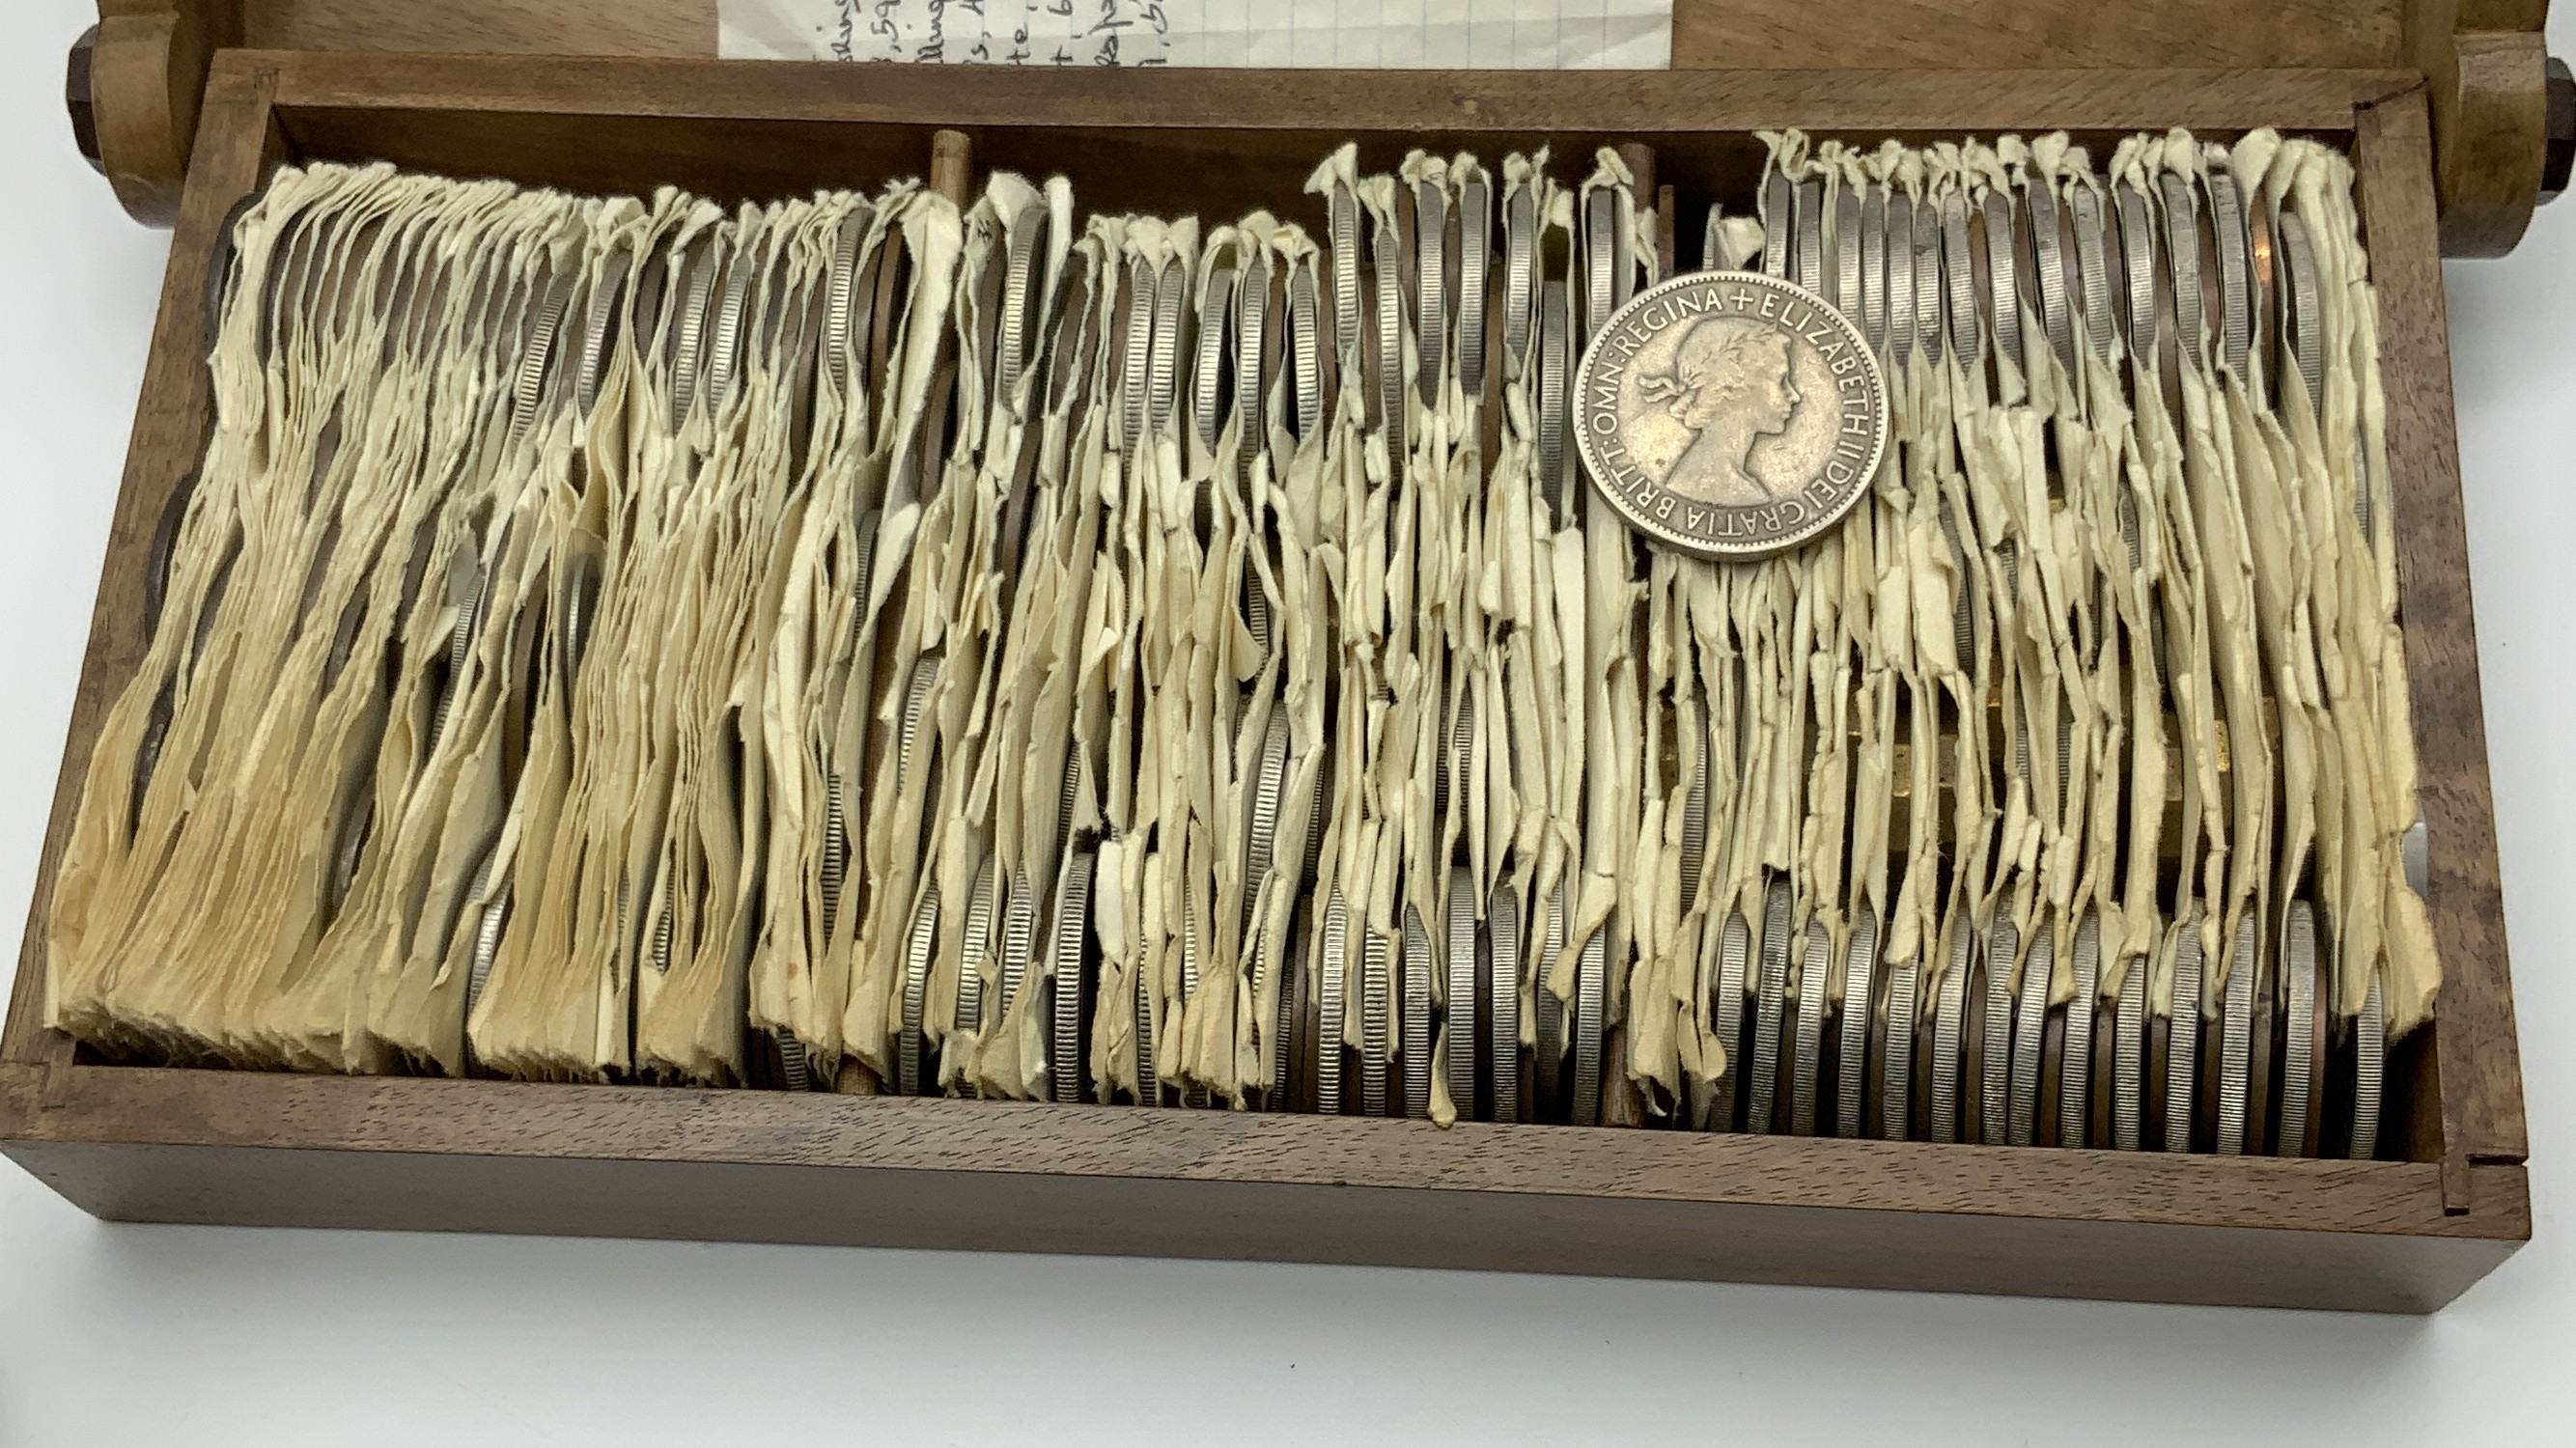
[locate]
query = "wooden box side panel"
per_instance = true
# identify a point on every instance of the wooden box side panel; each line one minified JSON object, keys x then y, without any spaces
{"x":2475,"y":1057}
{"x":1263,"y":1221}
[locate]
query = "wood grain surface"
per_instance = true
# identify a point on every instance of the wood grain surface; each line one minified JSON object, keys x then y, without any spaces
{"x":2478,"y":1063}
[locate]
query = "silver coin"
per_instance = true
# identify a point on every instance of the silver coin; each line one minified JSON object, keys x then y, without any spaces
{"x":1591,"y":1028}
{"x":1551,"y":1010}
{"x":1601,"y":260}
{"x":1390,"y":339}
{"x":1163,"y":367}
{"x":1208,"y":399}
{"x":1376,"y":1011}
{"x":1068,"y":799}
{"x":1927,"y":282}
{"x":2048,"y":258}
{"x":1847,"y":258}
{"x":983,"y":914}
{"x":1771,"y":1003}
{"x":2129,"y":1061}
{"x":1896,"y":1086}
{"x":725,"y":344}
{"x":1417,"y":1016}
{"x":1343,"y":226}
{"x":1815,"y":965}
{"x":836,"y":850}
{"x":2091,"y":263}
{"x":1461,"y":1031}
{"x":1149,"y":1089}
{"x":2182,"y":258}
{"x":1554,"y":366}
{"x":795,"y":1068}
{"x":2304,"y":336}
{"x":1872,"y":262}
{"x":1333,"y":960}
{"x":1994,"y":1078}
{"x":1019,"y":941}
{"x":1431,"y":286}
{"x":2138,"y":264}
{"x":1967,"y":344}
{"x":691,"y":338}
{"x":1808,"y":245}
{"x":1283,"y":1021}
{"x":1315,"y":811}
{"x":2003,"y":274}
{"x":1462,"y":756}
{"x":2182,"y":1039}
{"x":1441,"y":741}
{"x":1729,"y":416}
{"x":2370,"y":1072}
{"x":1902,"y":309}
{"x":487,"y":940}
{"x":1695,"y":830}
{"x":1712,"y":240}
{"x":1135,"y":376}
{"x":460,"y":652}
{"x":839,"y":303}
{"x":1022,"y":285}
{"x":2302,"y":984}
{"x":2075,"y":1075}
{"x":1949,"y":1030}
{"x":2030,"y":1035}
{"x":1269,"y":785}
{"x":1520,"y":270}
{"x":1065,"y":970}
{"x":1189,"y":940}
{"x":1726,"y":1016}
{"x":2236,"y":1041}
{"x":528,"y":387}
{"x":863,"y":549}
{"x":920,"y":943}
{"x":2235,"y":274}
{"x":1503,"y":1010}
{"x":1306,"y":351}
{"x":916,"y":698}
{"x":1475,"y":255}
{"x":1963,"y":610}
{"x":1860,"y":968}
{"x":1779,"y":223}
{"x":1251,"y":357}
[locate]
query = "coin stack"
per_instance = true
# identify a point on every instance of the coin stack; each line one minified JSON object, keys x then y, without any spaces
{"x":881,"y":644}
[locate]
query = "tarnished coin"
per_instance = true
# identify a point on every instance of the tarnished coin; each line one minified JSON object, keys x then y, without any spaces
{"x":1504,"y":1012}
{"x":1726,"y":1018}
{"x":1729,"y":414}
{"x":1814,"y":966}
{"x":1415,"y":1045}
{"x":1461,"y":1002}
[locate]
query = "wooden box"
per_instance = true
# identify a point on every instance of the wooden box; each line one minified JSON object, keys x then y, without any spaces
{"x":132,"y":1143}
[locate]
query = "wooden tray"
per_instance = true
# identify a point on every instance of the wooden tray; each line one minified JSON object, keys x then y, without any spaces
{"x":211,"y":1146}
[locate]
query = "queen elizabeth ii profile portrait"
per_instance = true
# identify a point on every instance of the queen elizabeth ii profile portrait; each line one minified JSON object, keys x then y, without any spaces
{"x":1728,"y":387}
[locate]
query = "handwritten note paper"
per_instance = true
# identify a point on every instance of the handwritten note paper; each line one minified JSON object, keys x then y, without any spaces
{"x":1343,"y":34}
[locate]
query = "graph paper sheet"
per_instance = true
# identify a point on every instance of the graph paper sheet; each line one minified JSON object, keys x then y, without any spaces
{"x":1342,"y":34}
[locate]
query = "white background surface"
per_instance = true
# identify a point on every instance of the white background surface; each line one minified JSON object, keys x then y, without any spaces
{"x":217,"y":1336}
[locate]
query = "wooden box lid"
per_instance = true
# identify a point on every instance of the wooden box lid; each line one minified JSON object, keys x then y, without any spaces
{"x":2504,"y":114}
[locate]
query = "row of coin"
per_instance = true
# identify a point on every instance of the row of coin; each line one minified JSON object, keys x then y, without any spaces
{"x":1060,"y":551}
